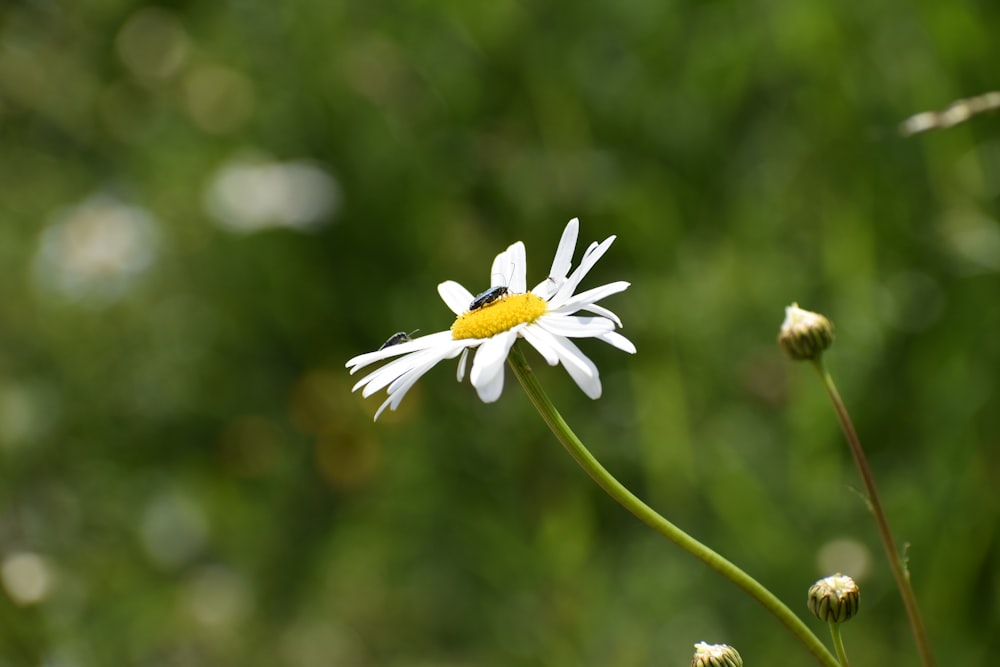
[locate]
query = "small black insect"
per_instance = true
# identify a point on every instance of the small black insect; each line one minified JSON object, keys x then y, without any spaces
{"x":488,"y":297}
{"x":398,"y":337}
{"x":484,"y":299}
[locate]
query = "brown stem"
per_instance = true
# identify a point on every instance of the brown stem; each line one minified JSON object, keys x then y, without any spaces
{"x":896,"y":564}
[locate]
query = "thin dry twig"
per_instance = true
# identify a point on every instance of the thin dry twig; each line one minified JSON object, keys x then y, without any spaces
{"x":957,"y":112}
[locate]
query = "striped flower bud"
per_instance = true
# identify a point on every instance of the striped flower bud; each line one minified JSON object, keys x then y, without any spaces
{"x":804,"y":335}
{"x":715,"y":655}
{"x":834,"y":599}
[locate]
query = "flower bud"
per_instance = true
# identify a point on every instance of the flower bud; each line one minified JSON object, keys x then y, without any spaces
{"x":834,"y":599}
{"x":804,"y":334}
{"x":715,"y":655}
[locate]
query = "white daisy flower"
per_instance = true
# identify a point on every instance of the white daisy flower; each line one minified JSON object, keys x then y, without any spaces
{"x":546,"y":317}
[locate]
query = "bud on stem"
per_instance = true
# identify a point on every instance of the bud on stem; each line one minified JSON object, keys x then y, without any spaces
{"x":804,"y":335}
{"x":834,"y":599}
{"x":715,"y":655}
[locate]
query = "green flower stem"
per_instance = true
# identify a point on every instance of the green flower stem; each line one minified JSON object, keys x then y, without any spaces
{"x":651,"y":518}
{"x":838,"y":642}
{"x":896,"y":564}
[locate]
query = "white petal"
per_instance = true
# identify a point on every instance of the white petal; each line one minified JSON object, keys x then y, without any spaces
{"x":456,"y":297}
{"x":401,"y":385}
{"x":421,"y":359}
{"x":490,"y":357}
{"x":489,"y":390}
{"x":564,"y":253}
{"x":401,"y":374}
{"x":575,"y":327}
{"x":563,"y":348}
{"x":580,"y":368}
{"x":617,"y":340}
{"x":419,"y":343}
{"x":589,"y":384}
{"x":517,"y":280}
{"x":547,"y":287}
{"x":573,"y":281}
{"x":384,"y":405}
{"x":461,"y":364}
{"x":487,"y":366}
{"x":602,"y":311}
{"x":509,"y":269}
{"x":499,"y":269}
{"x":382,"y":377}
{"x":588,"y":297}
{"x":396,"y":397}
{"x":397,"y":365}
{"x":531,"y":334}
{"x":411,"y":376}
{"x":577,"y":364}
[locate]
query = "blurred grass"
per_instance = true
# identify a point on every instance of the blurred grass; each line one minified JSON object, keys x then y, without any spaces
{"x":193,"y":482}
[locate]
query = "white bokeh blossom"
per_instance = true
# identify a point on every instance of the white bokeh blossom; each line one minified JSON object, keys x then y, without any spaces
{"x":549,"y":317}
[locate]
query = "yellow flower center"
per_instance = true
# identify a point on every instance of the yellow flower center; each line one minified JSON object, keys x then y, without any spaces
{"x":501,"y":315}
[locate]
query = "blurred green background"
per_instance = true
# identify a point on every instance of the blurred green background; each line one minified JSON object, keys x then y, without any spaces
{"x":206,"y":208}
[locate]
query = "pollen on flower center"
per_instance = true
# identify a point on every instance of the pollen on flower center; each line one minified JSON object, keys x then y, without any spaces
{"x":499,"y":316}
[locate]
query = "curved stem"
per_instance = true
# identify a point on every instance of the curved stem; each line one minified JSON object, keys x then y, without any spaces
{"x":651,"y":518}
{"x":838,"y":643}
{"x":896,"y":564}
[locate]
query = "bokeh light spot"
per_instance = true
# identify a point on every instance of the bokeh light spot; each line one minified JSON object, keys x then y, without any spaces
{"x":844,"y":555}
{"x":26,"y":577}
{"x":248,"y":196}
{"x":94,"y":251}
{"x":173,"y":529}
{"x":26,"y":413}
{"x":216,"y":596}
{"x":973,"y":238}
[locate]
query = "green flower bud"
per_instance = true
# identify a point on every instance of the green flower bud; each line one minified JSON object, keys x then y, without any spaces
{"x":804,"y":334}
{"x":715,"y":655}
{"x":834,"y":599}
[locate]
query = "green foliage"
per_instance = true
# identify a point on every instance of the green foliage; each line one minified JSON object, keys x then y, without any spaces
{"x":208,"y":207}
